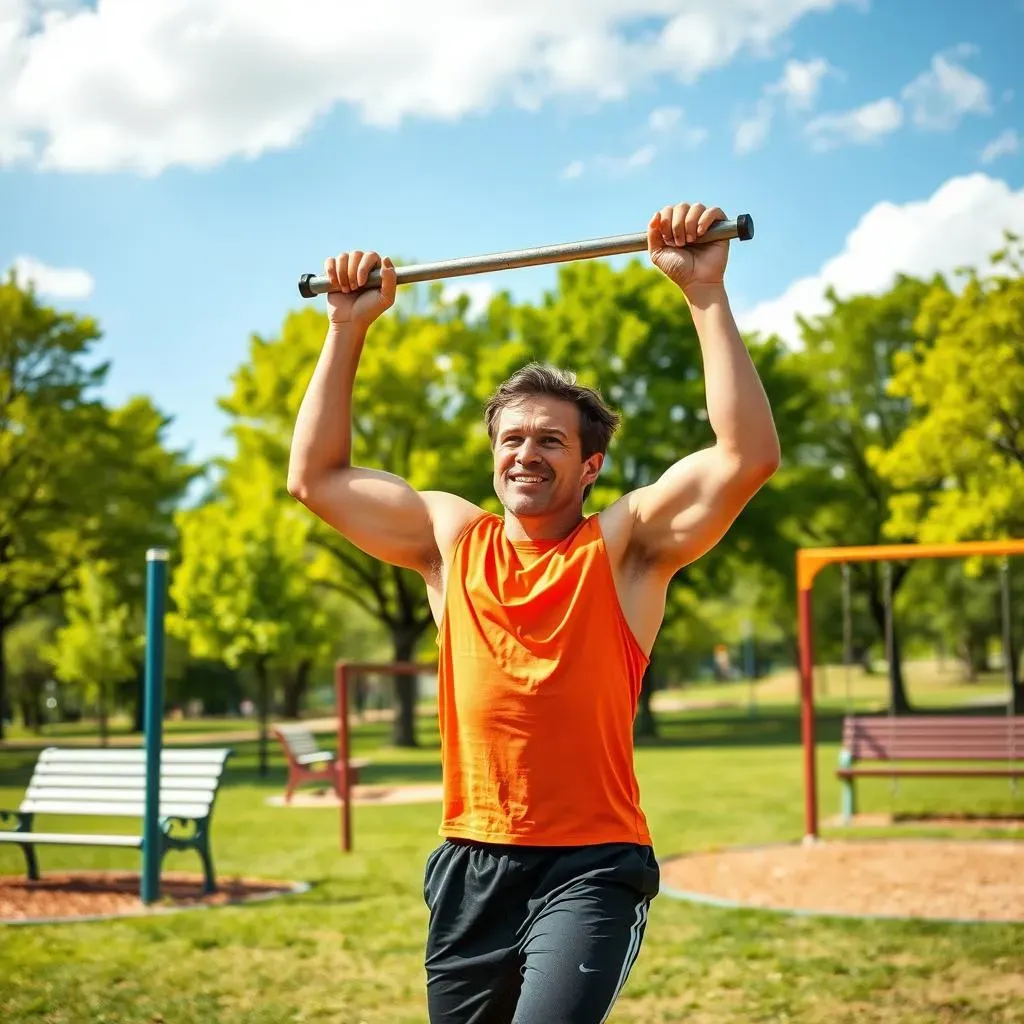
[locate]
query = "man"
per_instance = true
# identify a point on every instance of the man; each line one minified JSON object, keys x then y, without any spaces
{"x":538,"y":894}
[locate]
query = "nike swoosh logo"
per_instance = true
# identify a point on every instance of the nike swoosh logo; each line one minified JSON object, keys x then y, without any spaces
{"x":588,"y":970}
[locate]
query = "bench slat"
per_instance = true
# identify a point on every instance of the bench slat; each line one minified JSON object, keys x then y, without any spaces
{"x":122,"y":781}
{"x":126,"y":772}
{"x":90,"y":794}
{"x":935,"y":773}
{"x":61,"y":838}
{"x":132,"y":755}
{"x":128,"y":809}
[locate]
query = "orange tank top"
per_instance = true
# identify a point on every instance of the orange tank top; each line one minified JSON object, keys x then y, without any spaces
{"x":538,"y":681}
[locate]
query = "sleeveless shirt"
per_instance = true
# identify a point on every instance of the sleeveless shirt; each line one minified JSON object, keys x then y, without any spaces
{"x":538,"y":680}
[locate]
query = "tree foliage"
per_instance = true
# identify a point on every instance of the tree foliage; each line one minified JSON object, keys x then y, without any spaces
{"x":959,"y":466}
{"x":98,"y":645}
{"x":78,"y":480}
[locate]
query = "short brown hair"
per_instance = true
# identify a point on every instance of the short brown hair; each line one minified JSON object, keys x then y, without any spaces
{"x":597,"y":421}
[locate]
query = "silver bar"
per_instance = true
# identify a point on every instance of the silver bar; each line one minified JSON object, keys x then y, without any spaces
{"x":742,"y":228}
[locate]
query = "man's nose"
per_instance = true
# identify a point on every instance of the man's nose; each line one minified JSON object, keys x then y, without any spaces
{"x":529,"y":451}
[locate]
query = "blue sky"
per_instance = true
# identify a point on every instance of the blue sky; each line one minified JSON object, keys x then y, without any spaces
{"x":171,"y":168}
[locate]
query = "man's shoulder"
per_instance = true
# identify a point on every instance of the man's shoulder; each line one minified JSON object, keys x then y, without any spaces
{"x":450,"y":515}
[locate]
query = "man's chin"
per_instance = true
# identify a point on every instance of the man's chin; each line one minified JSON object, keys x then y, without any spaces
{"x":524,"y":506}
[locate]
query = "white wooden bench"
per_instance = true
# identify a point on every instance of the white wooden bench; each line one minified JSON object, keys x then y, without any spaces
{"x":308,"y":763}
{"x":112,"y":783}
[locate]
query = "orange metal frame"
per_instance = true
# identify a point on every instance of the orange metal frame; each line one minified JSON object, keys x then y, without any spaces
{"x":809,"y":562}
{"x":343,"y":672}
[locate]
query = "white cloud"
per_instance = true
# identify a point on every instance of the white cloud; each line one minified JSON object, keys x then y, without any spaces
{"x":941,"y":96}
{"x":798,"y":85}
{"x":58,"y":282}
{"x":664,"y":119}
{"x":960,"y":224}
{"x":862,"y":125}
{"x":801,"y":82}
{"x":1004,"y":144}
{"x":101,"y":85}
{"x":572,"y":170}
{"x":479,"y":294}
{"x":617,"y":166}
{"x":752,"y":133}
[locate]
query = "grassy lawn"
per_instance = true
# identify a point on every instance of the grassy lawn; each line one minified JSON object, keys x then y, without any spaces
{"x":350,"y":949}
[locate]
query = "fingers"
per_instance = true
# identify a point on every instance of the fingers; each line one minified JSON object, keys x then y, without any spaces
{"x":708,"y":219}
{"x":681,"y":224}
{"x":349,"y":271}
{"x":388,"y":282}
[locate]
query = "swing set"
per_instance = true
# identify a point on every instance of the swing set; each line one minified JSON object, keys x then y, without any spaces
{"x":993,"y":744}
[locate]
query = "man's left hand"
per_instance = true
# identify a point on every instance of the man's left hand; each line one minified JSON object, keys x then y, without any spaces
{"x":670,"y":237}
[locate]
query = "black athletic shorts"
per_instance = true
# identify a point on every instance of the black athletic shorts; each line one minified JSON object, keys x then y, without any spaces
{"x":533,"y":935}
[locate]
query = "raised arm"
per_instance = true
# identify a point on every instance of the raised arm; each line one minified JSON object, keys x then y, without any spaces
{"x":377,"y":511}
{"x":690,"y":507}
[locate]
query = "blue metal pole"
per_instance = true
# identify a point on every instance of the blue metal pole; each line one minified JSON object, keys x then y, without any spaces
{"x":156,"y":585}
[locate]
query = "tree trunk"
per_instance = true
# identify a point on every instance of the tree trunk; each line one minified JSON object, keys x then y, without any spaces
{"x":139,"y":723}
{"x":403,"y":728}
{"x":898,"y":700}
{"x":101,"y":710}
{"x":897,"y":690}
{"x":3,"y":678}
{"x":645,"y":726}
{"x":295,"y":686}
{"x":30,"y":711}
{"x":263,"y":699}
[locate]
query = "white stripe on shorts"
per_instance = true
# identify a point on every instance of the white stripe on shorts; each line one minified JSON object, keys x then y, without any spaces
{"x":636,"y":930}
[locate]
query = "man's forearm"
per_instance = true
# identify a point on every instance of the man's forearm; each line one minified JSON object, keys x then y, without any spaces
{"x":738,"y":408}
{"x":322,"y":438}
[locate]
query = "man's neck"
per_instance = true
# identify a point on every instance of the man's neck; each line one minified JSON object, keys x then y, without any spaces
{"x":554,"y":527}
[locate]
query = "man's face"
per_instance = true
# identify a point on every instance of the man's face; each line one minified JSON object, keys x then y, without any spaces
{"x":539,"y":467}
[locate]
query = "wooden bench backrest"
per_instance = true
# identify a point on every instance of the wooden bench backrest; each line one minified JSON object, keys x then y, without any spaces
{"x":934,"y":737}
{"x":298,"y":739}
{"x":113,"y":782}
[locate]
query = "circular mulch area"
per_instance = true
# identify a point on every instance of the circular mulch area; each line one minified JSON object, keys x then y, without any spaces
{"x":91,"y":895}
{"x":971,"y":880}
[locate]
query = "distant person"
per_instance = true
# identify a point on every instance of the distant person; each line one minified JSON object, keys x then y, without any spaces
{"x":539,"y":892}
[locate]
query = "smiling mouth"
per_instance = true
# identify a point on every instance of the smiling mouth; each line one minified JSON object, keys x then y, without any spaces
{"x":526,"y":478}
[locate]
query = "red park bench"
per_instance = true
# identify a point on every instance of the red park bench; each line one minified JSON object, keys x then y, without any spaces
{"x":928,"y":746}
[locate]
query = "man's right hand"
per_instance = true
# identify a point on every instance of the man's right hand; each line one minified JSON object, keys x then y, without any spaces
{"x":349,"y":272}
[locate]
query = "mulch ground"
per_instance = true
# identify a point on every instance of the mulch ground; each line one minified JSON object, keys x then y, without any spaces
{"x":934,"y":879}
{"x":62,"y":895}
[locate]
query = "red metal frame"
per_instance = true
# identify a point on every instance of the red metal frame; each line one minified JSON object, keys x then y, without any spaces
{"x":809,"y":562}
{"x":342,"y":672}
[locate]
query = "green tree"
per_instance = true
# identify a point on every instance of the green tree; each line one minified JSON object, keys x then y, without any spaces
{"x":78,"y":480}
{"x":242,"y":592}
{"x":959,"y":465}
{"x":98,"y":646}
{"x":28,"y":670}
{"x":848,"y":356}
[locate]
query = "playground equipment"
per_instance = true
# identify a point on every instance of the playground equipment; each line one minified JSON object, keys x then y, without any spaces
{"x":344,"y":673}
{"x":809,"y":562}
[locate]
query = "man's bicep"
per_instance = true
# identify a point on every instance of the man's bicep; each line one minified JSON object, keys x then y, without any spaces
{"x":688,"y":510}
{"x":381,"y":514}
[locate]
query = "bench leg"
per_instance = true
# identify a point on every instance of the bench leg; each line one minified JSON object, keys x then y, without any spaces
{"x":209,"y":878}
{"x":31,"y":863}
{"x":849,"y":796}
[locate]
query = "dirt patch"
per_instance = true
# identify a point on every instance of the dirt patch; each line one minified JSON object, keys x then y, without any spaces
{"x":363,"y":794}
{"x":91,"y":894}
{"x":933,"y":879}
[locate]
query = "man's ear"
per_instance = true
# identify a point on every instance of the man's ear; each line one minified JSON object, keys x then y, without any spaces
{"x":592,"y":467}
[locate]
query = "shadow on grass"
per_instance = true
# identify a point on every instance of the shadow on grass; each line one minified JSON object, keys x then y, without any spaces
{"x":767,"y":727}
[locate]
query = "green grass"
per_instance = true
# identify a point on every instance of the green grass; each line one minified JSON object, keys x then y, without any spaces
{"x":350,"y":949}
